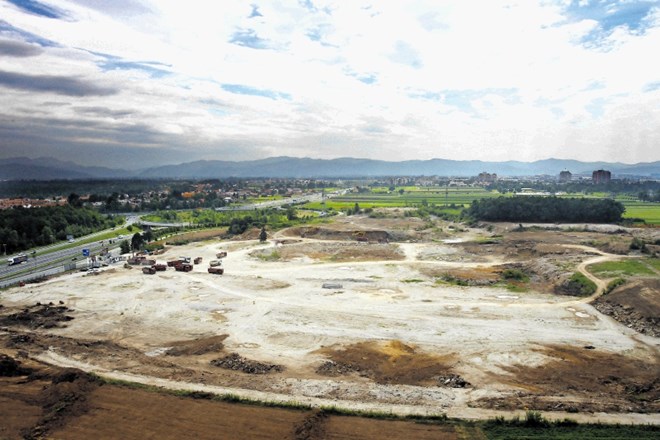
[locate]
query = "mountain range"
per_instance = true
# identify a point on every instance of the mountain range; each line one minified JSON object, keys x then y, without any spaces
{"x":47,"y":168}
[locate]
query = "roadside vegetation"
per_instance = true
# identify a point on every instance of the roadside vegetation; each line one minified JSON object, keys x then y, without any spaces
{"x":23,"y":228}
{"x":626,"y":268}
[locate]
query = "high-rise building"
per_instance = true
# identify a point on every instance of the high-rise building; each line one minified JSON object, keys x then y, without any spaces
{"x":565,"y":176}
{"x":601,"y":176}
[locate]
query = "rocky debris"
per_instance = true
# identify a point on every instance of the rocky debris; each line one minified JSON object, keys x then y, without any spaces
{"x":197,"y":347}
{"x":10,"y":367}
{"x":19,"y":339}
{"x":453,"y":381}
{"x":236,"y":362}
{"x":333,"y":369}
{"x":38,"y":316}
{"x":630,"y":317}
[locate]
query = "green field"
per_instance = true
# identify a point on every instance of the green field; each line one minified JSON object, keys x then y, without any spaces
{"x":610,"y":269}
{"x":382,"y":197}
{"x":649,"y":212}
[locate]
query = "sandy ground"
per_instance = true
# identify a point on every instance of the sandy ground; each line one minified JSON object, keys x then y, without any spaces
{"x":274,"y":308}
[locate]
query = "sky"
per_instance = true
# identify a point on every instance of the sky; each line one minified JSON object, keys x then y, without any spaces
{"x":132,"y":83}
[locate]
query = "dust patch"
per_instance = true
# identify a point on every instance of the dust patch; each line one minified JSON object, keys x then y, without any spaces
{"x":390,"y":363}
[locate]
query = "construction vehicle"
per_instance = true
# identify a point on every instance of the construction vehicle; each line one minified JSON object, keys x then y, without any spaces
{"x":216,"y":270}
{"x":214,"y":263}
{"x":198,"y":260}
{"x":222,"y":254}
{"x":148,"y":270}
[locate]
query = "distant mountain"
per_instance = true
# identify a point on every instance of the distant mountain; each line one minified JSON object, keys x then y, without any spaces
{"x":351,"y":167}
{"x":48,"y":168}
{"x":281,"y":167}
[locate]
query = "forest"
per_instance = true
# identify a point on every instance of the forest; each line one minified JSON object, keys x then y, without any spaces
{"x":547,"y":209}
{"x":23,"y":228}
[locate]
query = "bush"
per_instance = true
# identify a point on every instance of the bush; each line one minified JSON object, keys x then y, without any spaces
{"x":514,"y":274}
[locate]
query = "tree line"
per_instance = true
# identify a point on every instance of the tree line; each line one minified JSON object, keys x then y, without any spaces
{"x":25,"y":228}
{"x":547,"y":209}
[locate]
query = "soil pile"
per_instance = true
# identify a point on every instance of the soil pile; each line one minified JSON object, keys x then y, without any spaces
{"x":38,"y":316}
{"x":390,"y":363}
{"x":197,"y":347}
{"x":635,"y":304}
{"x":10,"y":367}
{"x":236,"y":362}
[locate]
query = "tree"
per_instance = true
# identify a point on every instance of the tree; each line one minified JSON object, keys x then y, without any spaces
{"x":137,"y":241}
{"x":74,"y":200}
{"x":263,"y":235}
{"x":125,"y":247}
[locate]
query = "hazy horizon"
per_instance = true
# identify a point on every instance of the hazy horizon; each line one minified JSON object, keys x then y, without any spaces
{"x":135,"y":84}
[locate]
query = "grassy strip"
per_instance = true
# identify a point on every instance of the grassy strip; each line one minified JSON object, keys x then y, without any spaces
{"x":581,"y":285}
{"x":535,"y":426}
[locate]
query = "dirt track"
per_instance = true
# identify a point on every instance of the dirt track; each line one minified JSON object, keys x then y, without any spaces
{"x":276,"y":311}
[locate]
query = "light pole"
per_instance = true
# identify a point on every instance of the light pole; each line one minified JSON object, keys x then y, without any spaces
{"x":4,"y":245}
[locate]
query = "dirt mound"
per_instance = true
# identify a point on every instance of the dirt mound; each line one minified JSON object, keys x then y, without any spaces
{"x":636,"y":304}
{"x":390,"y":363}
{"x":338,"y":233}
{"x":236,"y":362}
{"x":311,"y":427}
{"x":64,"y":399}
{"x":38,"y":316}
{"x":197,"y":347}
{"x":10,"y":367}
{"x":335,"y":252}
{"x":582,"y":377}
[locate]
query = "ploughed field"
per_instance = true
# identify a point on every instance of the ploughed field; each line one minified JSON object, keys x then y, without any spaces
{"x":392,"y":314}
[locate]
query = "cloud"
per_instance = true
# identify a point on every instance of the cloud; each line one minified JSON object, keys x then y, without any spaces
{"x":404,"y":53}
{"x":18,"y":49}
{"x":38,"y":8}
{"x":247,"y":90}
{"x":60,"y":85}
{"x":384,"y":80}
{"x":249,"y":38}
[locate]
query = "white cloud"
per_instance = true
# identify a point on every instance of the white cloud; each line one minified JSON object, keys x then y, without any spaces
{"x":491,"y":80}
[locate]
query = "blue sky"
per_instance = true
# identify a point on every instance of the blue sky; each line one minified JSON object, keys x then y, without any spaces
{"x":130,"y":82}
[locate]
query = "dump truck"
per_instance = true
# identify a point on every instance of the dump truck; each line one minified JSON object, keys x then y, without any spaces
{"x":148,"y":270}
{"x":216,"y":270}
{"x":183,"y":267}
{"x":173,"y":263}
{"x":159,"y":267}
{"x":222,"y":254}
{"x":214,"y":263}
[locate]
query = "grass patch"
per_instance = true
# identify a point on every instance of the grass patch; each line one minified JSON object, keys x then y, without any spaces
{"x":412,"y":280}
{"x":273,"y":256}
{"x":580,"y":285}
{"x":613,"y":285}
{"x":630,"y":268}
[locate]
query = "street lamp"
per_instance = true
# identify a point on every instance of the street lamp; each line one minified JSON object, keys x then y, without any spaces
{"x":4,"y":245}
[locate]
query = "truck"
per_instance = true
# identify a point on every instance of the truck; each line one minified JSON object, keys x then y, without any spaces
{"x":222,"y":254}
{"x":159,"y":267}
{"x":214,"y":263}
{"x":198,"y":260}
{"x":183,"y":267}
{"x":18,"y":259}
{"x":148,"y":270}
{"x":216,"y":270}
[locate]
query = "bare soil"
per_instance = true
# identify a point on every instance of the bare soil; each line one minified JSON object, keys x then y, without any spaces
{"x":66,"y":403}
{"x":583,"y":377}
{"x":358,"y":325}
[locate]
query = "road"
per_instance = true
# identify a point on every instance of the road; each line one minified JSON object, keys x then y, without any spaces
{"x":307,"y":198}
{"x":45,"y":261}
